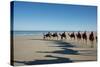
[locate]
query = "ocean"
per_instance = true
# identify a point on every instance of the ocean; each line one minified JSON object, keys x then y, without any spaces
{"x":24,"y":33}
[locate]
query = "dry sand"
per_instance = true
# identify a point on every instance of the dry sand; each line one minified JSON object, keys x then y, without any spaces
{"x":29,"y":50}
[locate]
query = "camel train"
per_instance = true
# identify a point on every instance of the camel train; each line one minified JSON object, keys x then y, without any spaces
{"x":50,"y":35}
{"x":63,"y":35}
{"x":79,"y":36}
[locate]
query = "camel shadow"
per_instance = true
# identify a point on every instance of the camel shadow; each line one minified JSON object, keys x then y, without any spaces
{"x":49,"y":61}
{"x":64,"y":51}
{"x":63,"y":44}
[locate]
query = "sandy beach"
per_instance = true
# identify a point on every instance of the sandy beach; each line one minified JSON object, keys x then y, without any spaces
{"x":32,"y":50}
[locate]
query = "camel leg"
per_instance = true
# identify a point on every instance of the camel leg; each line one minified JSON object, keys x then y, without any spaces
{"x":65,"y":37}
{"x":53,"y":38}
{"x":70,"y":38}
{"x":79,"y":42}
{"x":83,"y":41}
{"x":61,"y":38}
{"x":86,"y":41}
{"x":57,"y":37}
{"x":92,"y":44}
{"x":74,"y":38}
{"x":44,"y":37}
{"x":49,"y":38}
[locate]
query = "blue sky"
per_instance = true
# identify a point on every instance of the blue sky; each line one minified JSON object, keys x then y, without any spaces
{"x":54,"y":17}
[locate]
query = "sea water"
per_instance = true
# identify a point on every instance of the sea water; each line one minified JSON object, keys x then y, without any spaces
{"x":24,"y":33}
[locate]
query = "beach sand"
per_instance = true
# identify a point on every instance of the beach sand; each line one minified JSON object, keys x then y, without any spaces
{"x":30,"y":50}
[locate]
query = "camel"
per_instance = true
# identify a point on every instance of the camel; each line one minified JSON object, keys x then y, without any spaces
{"x":84,"y":36}
{"x":48,"y":35}
{"x":55,"y":35}
{"x":72,"y":35}
{"x":78,"y":36}
{"x":91,"y":38}
{"x":96,"y":38}
{"x":63,"y":35}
